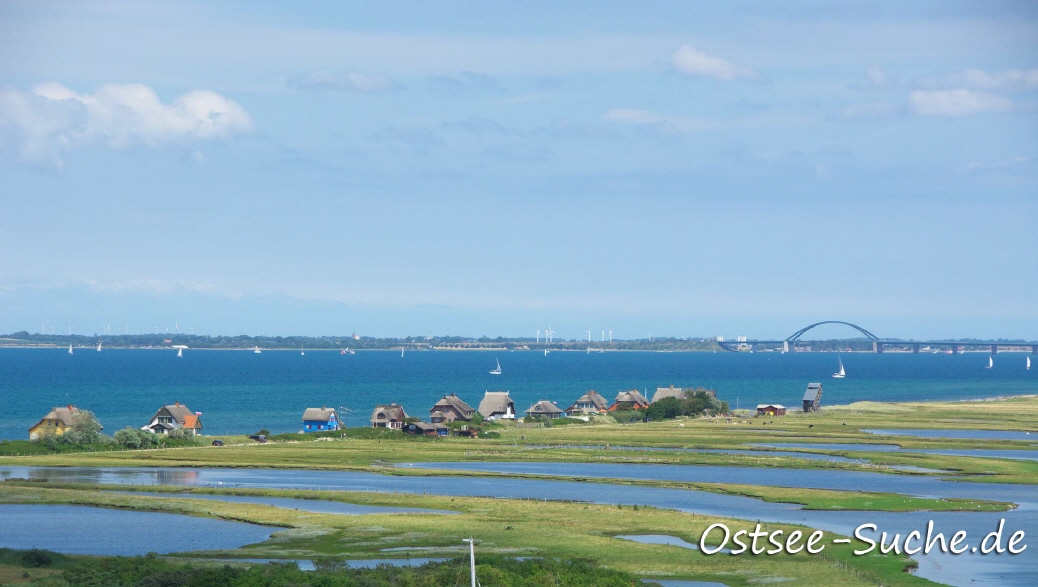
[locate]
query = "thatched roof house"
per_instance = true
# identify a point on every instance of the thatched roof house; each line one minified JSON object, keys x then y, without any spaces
{"x":320,"y":419}
{"x":388,"y":416}
{"x":545,"y":408}
{"x":451,"y":408}
{"x":172,"y":417}
{"x":629,"y":400}
{"x":56,"y":422}
{"x":591,"y":402}
{"x":497,"y":405}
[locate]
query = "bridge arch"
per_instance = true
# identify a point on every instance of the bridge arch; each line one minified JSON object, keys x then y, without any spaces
{"x":796,"y":335}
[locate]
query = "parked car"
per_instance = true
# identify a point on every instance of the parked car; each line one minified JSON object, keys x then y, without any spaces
{"x":217,"y":442}
{"x":259,"y":438}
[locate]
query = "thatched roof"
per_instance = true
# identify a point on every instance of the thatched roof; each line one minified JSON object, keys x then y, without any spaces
{"x":591,"y":397}
{"x":633,"y":396}
{"x":665,"y":392}
{"x":63,"y":415}
{"x":393,"y":412}
{"x":776,"y":406}
{"x":543,"y":407}
{"x":453,"y":401}
{"x":496,"y":403}
{"x":319,"y":414}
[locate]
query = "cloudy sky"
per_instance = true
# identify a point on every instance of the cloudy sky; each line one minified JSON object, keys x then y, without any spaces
{"x":395,"y":168}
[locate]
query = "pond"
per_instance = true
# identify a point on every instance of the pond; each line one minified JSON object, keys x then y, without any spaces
{"x":75,"y":530}
{"x":945,"y":568}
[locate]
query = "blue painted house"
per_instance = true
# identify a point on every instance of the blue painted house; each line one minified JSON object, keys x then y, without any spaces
{"x":320,"y":420}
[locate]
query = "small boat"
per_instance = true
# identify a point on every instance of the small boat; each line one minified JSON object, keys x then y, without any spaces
{"x":401,"y":353}
{"x":180,"y":352}
{"x":301,"y":353}
{"x":342,"y":351}
{"x":350,"y":351}
{"x":1028,"y":363}
{"x":545,"y":352}
{"x":991,"y":362}
{"x":841,"y":373}
{"x":496,"y":371}
{"x":257,"y":350}
{"x":98,"y":347}
{"x":70,"y":349}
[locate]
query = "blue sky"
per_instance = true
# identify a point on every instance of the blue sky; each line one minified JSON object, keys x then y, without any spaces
{"x":686,"y":169}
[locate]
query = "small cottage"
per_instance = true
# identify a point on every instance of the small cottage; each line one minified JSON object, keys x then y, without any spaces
{"x":388,"y":416}
{"x":320,"y":420}
{"x":629,"y":400}
{"x":497,"y":405}
{"x":545,"y":409}
{"x":771,"y":410}
{"x":450,"y":409}
{"x":172,"y":417}
{"x":55,"y":423}
{"x":591,"y":402}
{"x":813,"y":398}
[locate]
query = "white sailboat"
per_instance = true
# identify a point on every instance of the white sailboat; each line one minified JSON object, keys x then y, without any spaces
{"x":70,"y":349}
{"x":496,"y":371}
{"x":257,"y":350}
{"x":991,"y":362}
{"x":350,"y":351}
{"x":545,"y":352}
{"x":401,"y":353}
{"x":99,"y":346}
{"x":180,"y":352}
{"x":1028,"y":363}
{"x":841,"y":373}
{"x":301,"y":353}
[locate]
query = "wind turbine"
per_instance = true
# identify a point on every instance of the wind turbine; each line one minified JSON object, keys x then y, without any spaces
{"x":176,"y":326}
{"x":603,"y":336}
{"x":610,"y":337}
{"x":589,"y":335}
{"x":548,"y":334}
{"x":538,"y":335}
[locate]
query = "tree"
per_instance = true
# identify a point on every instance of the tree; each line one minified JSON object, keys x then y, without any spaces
{"x":85,"y":428}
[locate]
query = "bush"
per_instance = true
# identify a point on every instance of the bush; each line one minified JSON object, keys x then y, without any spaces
{"x":36,"y":558}
{"x":129,"y":438}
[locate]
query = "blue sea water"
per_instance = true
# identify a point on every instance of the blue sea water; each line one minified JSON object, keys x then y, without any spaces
{"x":242,"y":392}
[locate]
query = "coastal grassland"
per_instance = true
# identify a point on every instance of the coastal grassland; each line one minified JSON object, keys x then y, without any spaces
{"x":627,"y":443}
{"x":570,"y":531}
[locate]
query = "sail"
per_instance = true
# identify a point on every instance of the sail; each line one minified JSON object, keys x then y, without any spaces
{"x":1028,"y":363}
{"x":841,"y":371}
{"x":70,"y":349}
{"x":180,"y":352}
{"x":991,"y":362}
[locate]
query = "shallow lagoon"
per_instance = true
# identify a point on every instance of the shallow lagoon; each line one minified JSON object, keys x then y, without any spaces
{"x":963,"y":570}
{"x":75,"y":530}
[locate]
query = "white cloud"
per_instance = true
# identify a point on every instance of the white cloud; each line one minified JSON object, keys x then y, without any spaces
{"x":956,"y":102}
{"x":52,"y":118}
{"x":347,"y":81}
{"x":1013,"y":79}
{"x":877,"y":76}
{"x":691,"y":61}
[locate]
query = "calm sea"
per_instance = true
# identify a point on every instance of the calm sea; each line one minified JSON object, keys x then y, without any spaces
{"x":242,"y":392}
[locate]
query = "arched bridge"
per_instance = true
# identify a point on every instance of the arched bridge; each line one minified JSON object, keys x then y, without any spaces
{"x":790,"y":343}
